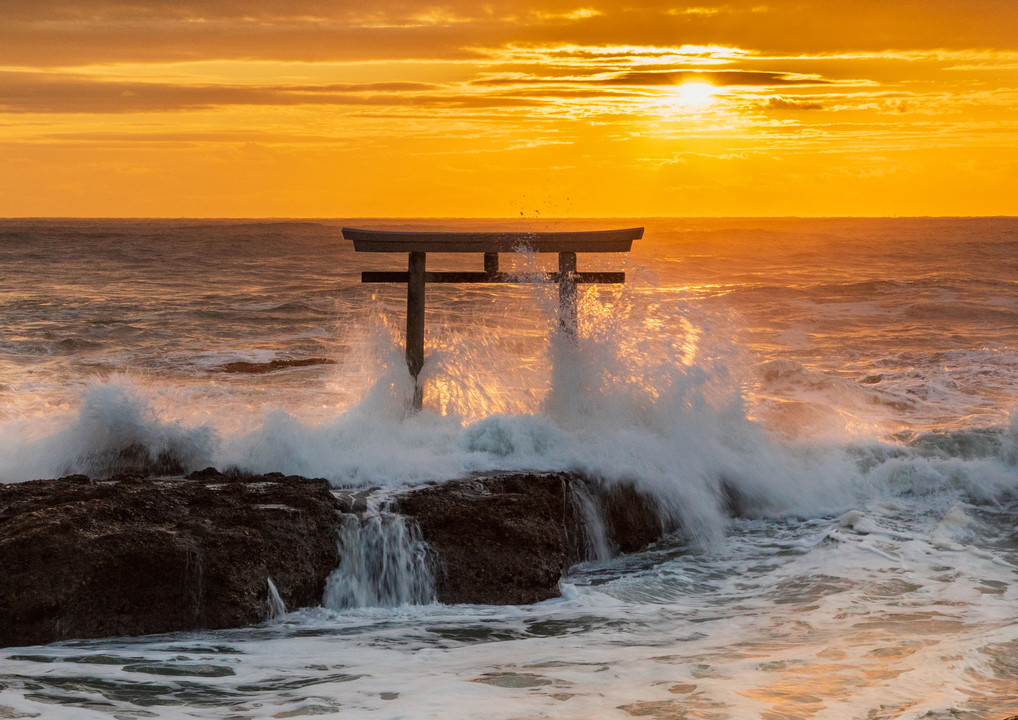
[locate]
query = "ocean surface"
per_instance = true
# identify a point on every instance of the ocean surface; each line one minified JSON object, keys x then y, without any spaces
{"x":855,"y":380}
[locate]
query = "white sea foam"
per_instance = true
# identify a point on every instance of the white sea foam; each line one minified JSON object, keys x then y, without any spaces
{"x":117,"y":427}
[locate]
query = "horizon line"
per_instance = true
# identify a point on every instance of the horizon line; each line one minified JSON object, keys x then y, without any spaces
{"x":310,"y":218}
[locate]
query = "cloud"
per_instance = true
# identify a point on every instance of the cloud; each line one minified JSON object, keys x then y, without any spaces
{"x":776,"y":102}
{"x":682,"y":158}
{"x":651,"y":78}
{"x":22,"y":92}
{"x":79,"y":32}
{"x":721,"y":78}
{"x":571,"y":55}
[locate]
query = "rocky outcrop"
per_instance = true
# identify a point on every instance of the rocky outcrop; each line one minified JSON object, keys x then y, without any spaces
{"x":132,"y":555}
{"x":138,"y":555}
{"x":507,"y":539}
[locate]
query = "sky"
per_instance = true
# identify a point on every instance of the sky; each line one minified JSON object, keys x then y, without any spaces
{"x":539,"y":108}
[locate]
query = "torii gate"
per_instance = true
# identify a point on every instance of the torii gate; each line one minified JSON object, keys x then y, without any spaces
{"x":418,"y":244}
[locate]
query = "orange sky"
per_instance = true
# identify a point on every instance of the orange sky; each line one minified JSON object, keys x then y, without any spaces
{"x":254,"y":108}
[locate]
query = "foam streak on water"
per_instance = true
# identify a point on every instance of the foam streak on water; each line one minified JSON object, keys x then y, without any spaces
{"x":848,"y":387}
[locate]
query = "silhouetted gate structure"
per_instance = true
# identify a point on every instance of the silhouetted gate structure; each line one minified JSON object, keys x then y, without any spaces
{"x":418,"y":244}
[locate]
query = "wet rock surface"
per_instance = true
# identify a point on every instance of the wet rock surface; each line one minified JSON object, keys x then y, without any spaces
{"x":138,"y":555}
{"x":507,"y":539}
{"x":130,"y":556}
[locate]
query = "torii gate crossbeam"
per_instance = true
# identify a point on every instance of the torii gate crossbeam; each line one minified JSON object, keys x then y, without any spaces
{"x":418,"y":244}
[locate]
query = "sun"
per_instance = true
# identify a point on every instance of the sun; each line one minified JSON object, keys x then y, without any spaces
{"x":693,"y":94}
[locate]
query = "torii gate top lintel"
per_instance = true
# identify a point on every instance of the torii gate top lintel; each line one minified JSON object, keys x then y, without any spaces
{"x":418,"y":243}
{"x":488,"y":242}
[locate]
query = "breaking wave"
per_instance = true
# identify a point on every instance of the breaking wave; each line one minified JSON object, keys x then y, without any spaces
{"x":676,"y":409}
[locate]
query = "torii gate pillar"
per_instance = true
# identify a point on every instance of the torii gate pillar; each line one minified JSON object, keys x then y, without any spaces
{"x":418,"y":244}
{"x":415,"y":322}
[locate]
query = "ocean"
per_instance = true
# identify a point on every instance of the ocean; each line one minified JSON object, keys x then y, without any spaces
{"x":854,"y":380}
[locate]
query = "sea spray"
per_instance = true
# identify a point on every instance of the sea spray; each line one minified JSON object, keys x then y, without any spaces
{"x":383,"y":562}
{"x":118,"y":428}
{"x":668,"y":413}
{"x":274,"y":603}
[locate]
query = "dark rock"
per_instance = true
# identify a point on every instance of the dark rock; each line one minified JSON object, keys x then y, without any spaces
{"x":507,"y":539}
{"x":734,"y":500}
{"x":136,"y":555}
{"x":501,"y":540}
{"x":353,"y":501}
{"x":209,"y":473}
{"x":631,"y":519}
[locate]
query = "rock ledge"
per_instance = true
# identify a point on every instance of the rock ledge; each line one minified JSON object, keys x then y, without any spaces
{"x":138,"y":555}
{"x":132,"y":556}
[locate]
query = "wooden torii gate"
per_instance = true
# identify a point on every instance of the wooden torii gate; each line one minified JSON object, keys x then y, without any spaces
{"x":418,"y":244}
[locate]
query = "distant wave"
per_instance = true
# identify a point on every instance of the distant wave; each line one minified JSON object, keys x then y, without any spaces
{"x":259,"y":368}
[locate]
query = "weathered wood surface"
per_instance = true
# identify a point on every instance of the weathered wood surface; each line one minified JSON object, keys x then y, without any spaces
{"x":415,"y":321}
{"x":471,"y":276}
{"x":490,"y":242}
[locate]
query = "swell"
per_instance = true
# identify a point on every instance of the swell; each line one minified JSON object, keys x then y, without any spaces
{"x":260,"y":368}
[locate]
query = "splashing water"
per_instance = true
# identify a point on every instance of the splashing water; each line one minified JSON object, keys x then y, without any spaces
{"x":383,"y":563}
{"x":274,"y":603}
{"x":597,"y":545}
